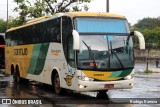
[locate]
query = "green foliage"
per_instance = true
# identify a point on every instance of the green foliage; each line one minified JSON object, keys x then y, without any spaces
{"x":38,"y":8}
{"x":150,"y":28}
{"x":152,"y":36}
{"x":147,"y":71}
{"x":11,"y":23}
{"x":148,"y":23}
{"x":2,"y":26}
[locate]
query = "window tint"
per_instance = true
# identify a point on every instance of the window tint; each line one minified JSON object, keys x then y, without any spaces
{"x":68,"y":40}
{"x":47,"y":31}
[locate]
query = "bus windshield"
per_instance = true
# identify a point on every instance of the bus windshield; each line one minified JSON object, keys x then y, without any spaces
{"x":101,"y":25}
{"x":111,"y":49}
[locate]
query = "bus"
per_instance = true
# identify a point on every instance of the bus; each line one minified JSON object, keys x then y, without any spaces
{"x":78,"y":51}
{"x":2,"y":45}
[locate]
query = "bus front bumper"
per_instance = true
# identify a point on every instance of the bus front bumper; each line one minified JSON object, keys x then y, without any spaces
{"x":104,"y":85}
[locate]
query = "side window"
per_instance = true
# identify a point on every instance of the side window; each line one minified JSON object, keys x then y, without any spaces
{"x":67,"y":40}
{"x":8,"y":39}
{"x":54,"y":30}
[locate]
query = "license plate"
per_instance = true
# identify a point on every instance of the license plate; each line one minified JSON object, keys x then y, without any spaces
{"x":108,"y":85}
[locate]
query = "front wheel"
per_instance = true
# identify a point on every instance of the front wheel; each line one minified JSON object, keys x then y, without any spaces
{"x":102,"y":94}
{"x":56,"y":83}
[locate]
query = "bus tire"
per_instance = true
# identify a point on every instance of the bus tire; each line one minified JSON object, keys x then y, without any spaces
{"x":102,"y":94}
{"x":16,"y":77}
{"x":56,"y":84}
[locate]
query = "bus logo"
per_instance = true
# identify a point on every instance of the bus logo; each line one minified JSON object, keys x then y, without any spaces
{"x":21,"y":51}
{"x":55,"y":52}
{"x":68,"y":80}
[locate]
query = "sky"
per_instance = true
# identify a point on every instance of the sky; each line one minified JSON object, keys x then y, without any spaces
{"x":134,"y":10}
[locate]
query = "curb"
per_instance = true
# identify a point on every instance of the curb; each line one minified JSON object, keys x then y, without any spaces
{"x":149,"y":77}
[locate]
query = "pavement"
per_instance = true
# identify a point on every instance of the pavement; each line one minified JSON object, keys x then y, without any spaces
{"x":1,"y":75}
{"x":147,"y":75}
{"x":154,"y":70}
{"x":141,"y":67}
{"x":5,"y":78}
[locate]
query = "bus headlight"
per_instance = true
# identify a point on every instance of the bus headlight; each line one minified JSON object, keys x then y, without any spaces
{"x":84,"y":78}
{"x":128,"y":77}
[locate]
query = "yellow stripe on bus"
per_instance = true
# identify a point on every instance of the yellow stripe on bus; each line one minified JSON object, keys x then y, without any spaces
{"x":99,"y":75}
{"x":19,"y":55}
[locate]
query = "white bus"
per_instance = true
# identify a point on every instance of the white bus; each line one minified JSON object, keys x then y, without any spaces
{"x":78,"y":51}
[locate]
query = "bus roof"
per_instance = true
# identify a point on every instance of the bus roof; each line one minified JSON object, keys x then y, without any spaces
{"x":29,"y":23}
{"x":71,"y":14}
{"x":94,"y":14}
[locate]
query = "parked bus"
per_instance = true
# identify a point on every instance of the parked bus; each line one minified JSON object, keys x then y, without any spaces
{"x":2,"y":45}
{"x":78,"y":51}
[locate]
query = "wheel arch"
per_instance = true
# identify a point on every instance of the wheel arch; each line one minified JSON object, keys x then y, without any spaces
{"x":17,"y":69}
{"x":58,"y":90}
{"x":12,"y":69}
{"x":54,"y":71}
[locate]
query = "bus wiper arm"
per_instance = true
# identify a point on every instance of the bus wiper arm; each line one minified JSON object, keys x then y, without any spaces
{"x":91,"y":54}
{"x":114,"y":53}
{"x":120,"y":62}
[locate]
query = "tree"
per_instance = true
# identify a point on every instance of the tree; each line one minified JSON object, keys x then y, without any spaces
{"x":148,"y":23}
{"x":11,"y":23}
{"x":152,"y":36}
{"x":150,"y":28}
{"x":38,"y":8}
{"x":2,"y":26}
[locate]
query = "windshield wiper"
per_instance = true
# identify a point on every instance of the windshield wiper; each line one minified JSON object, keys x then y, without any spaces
{"x":91,"y":54}
{"x":114,"y":53}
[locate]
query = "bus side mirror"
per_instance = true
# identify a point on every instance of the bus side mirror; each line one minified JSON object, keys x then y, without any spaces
{"x":140,"y":38}
{"x":75,"y":40}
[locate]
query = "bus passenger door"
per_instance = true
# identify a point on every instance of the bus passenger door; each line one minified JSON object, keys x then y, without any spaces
{"x":67,"y":41}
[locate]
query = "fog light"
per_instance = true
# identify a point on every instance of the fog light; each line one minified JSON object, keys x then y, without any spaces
{"x":131,"y":84}
{"x":81,"y":86}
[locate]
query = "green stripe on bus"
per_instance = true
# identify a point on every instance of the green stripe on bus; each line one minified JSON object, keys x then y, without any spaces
{"x":125,"y":73}
{"x":115,"y":74}
{"x":38,"y":58}
{"x":41,"y":58}
{"x":34,"y":57}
